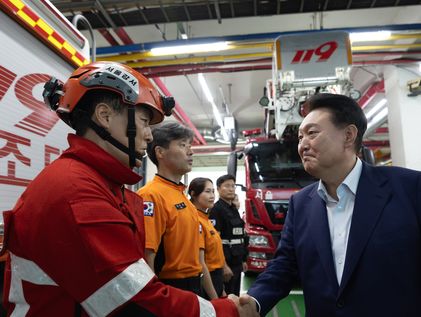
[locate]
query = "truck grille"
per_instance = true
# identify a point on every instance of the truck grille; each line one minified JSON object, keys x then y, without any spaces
{"x":277,"y":210}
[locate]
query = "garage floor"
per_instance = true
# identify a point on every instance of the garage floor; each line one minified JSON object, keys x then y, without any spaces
{"x":292,"y":306}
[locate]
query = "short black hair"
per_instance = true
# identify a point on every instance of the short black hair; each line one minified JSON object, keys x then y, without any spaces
{"x":197,"y":186}
{"x":81,"y":115}
{"x":344,"y":111}
{"x":164,"y":134}
{"x":222,"y":179}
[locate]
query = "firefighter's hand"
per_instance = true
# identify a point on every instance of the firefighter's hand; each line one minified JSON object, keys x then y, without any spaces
{"x":245,"y":267}
{"x":227,"y":273}
{"x":246,"y":305}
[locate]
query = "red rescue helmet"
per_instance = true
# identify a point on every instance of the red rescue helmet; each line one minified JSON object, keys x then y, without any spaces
{"x":134,"y":89}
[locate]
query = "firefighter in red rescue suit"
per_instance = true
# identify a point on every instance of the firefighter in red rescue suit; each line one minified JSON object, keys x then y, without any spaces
{"x":76,"y":235}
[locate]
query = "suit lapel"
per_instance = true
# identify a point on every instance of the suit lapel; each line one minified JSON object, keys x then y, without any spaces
{"x":371,"y":198}
{"x":321,"y":235}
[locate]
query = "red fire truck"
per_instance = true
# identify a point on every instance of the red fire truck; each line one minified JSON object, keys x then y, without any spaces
{"x":273,"y":173}
{"x":37,"y":42}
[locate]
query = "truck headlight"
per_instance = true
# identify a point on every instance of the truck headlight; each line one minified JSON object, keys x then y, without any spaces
{"x":258,"y":241}
{"x":258,"y":255}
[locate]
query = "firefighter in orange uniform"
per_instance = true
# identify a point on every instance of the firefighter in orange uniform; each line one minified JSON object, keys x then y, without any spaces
{"x":76,"y":235}
{"x":173,"y":236}
{"x":202,"y":195}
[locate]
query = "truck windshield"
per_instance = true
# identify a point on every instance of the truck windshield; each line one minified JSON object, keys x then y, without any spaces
{"x":276,"y":165}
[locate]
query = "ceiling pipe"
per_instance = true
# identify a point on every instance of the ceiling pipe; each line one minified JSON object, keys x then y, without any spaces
{"x":209,"y":70}
{"x":171,"y":68}
{"x":139,"y":47}
{"x":189,"y":69}
{"x":148,"y":54}
{"x":197,"y":59}
{"x":373,"y":143}
{"x":183,"y":116}
{"x":384,"y":53}
{"x":244,"y":57}
{"x":122,"y":34}
{"x":108,"y":37}
{"x":387,"y":62}
{"x":382,"y":47}
{"x":374,"y":89}
{"x":382,"y":130}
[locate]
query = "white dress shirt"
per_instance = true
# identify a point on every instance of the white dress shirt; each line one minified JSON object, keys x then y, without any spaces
{"x":339,"y":215}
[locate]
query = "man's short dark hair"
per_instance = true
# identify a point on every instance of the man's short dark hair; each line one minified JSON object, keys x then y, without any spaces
{"x":85,"y":108}
{"x":344,"y":111}
{"x":222,"y":179}
{"x":164,"y":134}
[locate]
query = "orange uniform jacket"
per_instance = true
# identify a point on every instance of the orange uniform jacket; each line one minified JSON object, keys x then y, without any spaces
{"x":214,"y":253}
{"x":172,"y":220}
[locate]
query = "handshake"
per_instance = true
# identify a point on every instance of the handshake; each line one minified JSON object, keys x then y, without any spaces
{"x":246,"y":305}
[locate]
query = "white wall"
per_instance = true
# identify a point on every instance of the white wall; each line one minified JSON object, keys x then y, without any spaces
{"x":214,"y":172}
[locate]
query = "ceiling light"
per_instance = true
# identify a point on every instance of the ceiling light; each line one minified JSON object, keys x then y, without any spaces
{"x":205,"y":88}
{"x":376,"y":108}
{"x":369,"y":36}
{"x":215,"y":110}
{"x":188,"y":49}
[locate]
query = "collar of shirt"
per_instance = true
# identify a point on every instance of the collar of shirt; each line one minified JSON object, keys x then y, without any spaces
{"x":203,"y":213}
{"x":349,"y":184}
{"x":180,"y":186}
{"x":222,"y":203}
{"x":103,"y":162}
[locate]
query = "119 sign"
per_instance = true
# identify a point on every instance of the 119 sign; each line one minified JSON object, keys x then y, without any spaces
{"x":322,"y":53}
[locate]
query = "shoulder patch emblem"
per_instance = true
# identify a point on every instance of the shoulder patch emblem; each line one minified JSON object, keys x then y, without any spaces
{"x":180,"y":206}
{"x":148,"y":208}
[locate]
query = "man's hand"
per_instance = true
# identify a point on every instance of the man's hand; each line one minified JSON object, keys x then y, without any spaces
{"x":227,"y":273}
{"x":245,"y":267}
{"x":246,"y":305}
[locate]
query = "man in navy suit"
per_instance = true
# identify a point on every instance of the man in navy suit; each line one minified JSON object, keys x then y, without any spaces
{"x":353,"y":239}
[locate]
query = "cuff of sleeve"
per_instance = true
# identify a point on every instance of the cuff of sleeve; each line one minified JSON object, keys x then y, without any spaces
{"x":257,"y":304}
{"x":225,"y":307}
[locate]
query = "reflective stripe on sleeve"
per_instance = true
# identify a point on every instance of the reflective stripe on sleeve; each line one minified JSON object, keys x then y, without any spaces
{"x":232,"y":241}
{"x":206,"y":308}
{"x":29,"y":271}
{"x":119,"y":290}
{"x":24,"y":270}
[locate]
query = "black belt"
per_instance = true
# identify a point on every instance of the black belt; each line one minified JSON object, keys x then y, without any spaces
{"x":192,"y":284}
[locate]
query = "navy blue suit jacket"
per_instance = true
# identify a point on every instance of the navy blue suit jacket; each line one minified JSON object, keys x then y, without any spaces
{"x":382,"y":273}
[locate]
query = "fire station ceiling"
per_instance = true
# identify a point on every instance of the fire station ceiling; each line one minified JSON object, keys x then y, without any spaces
{"x":106,"y":13}
{"x":128,"y":31}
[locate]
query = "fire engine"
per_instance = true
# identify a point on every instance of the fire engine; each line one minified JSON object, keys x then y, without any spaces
{"x":303,"y":65}
{"x":37,"y":42}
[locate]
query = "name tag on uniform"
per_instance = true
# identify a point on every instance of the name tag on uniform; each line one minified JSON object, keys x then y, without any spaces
{"x":180,"y":206}
{"x":237,"y":231}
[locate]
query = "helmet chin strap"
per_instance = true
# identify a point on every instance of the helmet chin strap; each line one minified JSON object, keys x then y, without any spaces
{"x":131,"y":134}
